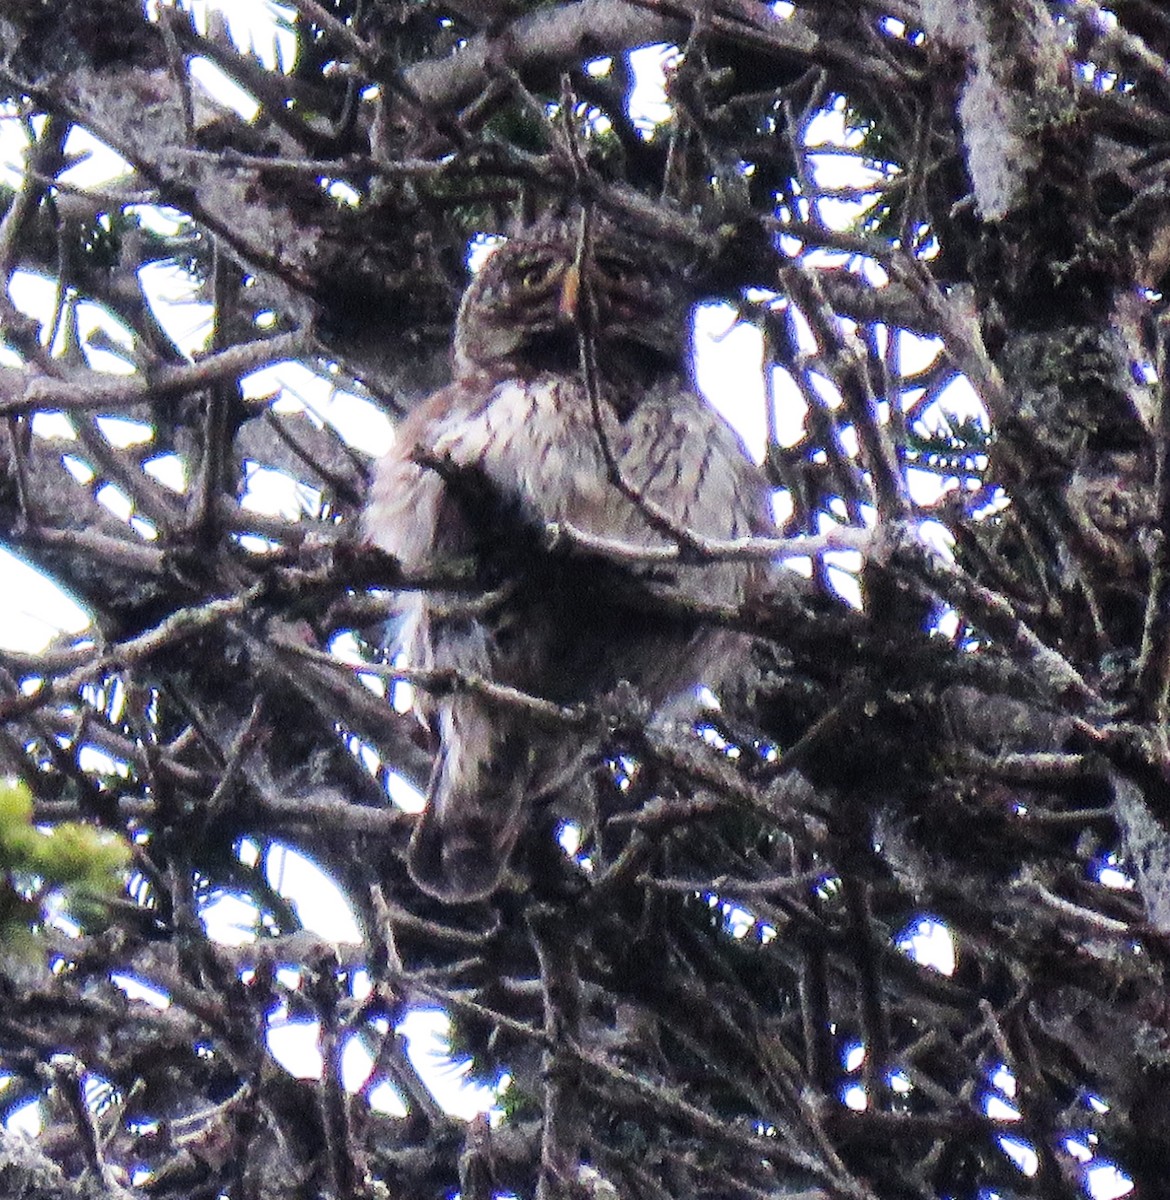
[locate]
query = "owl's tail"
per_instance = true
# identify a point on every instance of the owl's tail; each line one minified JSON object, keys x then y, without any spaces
{"x":478,"y":802}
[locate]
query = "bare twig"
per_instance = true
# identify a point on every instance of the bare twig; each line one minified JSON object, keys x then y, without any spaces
{"x":24,"y":391}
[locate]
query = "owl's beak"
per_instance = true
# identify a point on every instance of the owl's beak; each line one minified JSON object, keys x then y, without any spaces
{"x":570,"y":294}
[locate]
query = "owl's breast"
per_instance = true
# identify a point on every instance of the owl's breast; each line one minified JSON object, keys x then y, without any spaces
{"x":535,"y":440}
{"x":545,"y":446}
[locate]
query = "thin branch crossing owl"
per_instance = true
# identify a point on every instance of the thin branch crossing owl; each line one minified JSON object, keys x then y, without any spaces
{"x":525,"y":437}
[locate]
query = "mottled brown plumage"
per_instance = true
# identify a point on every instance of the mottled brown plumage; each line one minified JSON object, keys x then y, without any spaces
{"x":512,"y":445}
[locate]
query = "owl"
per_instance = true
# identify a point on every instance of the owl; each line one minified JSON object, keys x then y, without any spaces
{"x":518,"y":442}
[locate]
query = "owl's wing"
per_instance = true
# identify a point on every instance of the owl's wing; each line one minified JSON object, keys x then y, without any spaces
{"x":687,"y":460}
{"x":410,"y":516}
{"x":485,"y":763}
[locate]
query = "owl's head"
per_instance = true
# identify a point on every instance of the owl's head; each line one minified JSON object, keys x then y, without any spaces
{"x":522,"y":312}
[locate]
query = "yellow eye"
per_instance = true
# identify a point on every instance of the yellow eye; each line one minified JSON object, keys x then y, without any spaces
{"x":533,"y":273}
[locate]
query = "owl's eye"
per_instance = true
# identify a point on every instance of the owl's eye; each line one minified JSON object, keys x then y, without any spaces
{"x":621,"y":274}
{"x":616,"y":270}
{"x":534,"y":272}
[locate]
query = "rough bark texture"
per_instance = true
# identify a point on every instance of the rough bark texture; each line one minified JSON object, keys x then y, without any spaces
{"x":979,"y":743}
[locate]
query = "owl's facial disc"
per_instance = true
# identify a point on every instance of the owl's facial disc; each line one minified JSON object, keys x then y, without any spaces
{"x":527,"y":309}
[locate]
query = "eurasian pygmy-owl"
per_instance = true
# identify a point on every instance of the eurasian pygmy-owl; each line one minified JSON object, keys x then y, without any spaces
{"x":518,"y":442}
